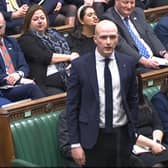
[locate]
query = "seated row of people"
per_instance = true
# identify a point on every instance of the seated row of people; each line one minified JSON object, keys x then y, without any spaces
{"x":14,"y":11}
{"x":60,"y":12}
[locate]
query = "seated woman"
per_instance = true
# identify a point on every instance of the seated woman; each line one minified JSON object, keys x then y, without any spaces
{"x":81,"y":39}
{"x":14,"y":12}
{"x":150,"y":134}
{"x":46,"y":52}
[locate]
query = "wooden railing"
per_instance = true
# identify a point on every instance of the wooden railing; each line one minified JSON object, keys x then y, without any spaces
{"x":154,"y":77}
{"x":153,"y":14}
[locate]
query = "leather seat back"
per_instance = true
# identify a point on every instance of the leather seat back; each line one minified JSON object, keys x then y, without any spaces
{"x":35,"y":140}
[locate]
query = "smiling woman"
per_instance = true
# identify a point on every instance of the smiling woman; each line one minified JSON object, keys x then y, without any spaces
{"x":50,"y":56}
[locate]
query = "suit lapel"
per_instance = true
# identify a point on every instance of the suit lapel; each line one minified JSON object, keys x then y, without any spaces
{"x":136,"y":23}
{"x":122,"y":29}
{"x":122,"y":70}
{"x":92,"y":74}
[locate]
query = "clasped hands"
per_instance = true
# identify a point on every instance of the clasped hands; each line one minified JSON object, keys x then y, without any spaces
{"x":13,"y":78}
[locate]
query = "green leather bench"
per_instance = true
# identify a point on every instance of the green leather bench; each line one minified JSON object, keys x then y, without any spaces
{"x":29,"y":133}
{"x":36,"y":142}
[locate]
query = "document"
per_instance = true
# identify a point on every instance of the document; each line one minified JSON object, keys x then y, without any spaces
{"x":138,"y":149}
{"x":161,"y":61}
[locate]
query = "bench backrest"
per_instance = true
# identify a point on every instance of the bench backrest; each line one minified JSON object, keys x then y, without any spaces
{"x":35,"y":140}
{"x":34,"y":111}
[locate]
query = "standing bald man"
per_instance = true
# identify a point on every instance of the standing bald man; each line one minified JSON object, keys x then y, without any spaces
{"x":92,"y":142}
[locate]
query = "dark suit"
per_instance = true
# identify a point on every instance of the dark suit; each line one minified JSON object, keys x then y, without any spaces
{"x":23,"y":91}
{"x":161,"y":30}
{"x":83,"y":99}
{"x":12,"y":25}
{"x":160,"y":102}
{"x":126,"y":44}
{"x":3,"y":101}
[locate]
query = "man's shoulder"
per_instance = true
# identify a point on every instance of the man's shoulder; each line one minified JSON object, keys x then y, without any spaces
{"x":84,"y":58}
{"x":9,"y":40}
{"x":126,"y":58}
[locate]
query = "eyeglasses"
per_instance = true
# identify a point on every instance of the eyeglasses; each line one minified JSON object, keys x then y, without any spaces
{"x":2,"y":26}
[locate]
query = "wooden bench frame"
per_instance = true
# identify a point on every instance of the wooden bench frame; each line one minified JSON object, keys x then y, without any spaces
{"x":21,"y":111}
{"x":153,"y":78}
{"x":153,"y":14}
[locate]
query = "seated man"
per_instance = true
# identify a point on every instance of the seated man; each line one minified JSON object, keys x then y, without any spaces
{"x":13,"y":70}
{"x":161,"y":30}
{"x":14,"y":12}
{"x":4,"y":101}
{"x":136,"y":36}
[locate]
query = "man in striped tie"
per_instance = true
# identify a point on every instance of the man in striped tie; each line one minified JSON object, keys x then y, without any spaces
{"x":137,"y":38}
{"x":13,"y":70}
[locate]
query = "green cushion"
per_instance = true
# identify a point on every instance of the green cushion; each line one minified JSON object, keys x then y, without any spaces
{"x":151,"y":91}
{"x":35,"y":140}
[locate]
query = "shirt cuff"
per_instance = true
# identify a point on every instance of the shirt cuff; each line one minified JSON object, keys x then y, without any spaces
{"x":75,"y":145}
{"x":21,"y":73}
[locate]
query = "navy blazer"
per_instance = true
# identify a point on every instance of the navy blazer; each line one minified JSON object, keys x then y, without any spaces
{"x":126,"y":43}
{"x":83,"y":98}
{"x":161,"y":30}
{"x":17,"y":57}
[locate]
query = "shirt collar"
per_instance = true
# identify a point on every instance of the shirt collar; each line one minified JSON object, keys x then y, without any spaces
{"x":122,"y":17}
{"x":99,"y":57}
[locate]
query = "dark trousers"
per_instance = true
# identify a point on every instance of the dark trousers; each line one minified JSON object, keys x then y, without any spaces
{"x":111,"y":149}
{"x":23,"y":92}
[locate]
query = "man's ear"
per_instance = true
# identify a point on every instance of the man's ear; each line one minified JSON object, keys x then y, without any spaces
{"x":94,"y":38}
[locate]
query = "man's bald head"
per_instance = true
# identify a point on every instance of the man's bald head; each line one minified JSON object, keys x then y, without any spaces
{"x":106,"y":37}
{"x":104,"y":25}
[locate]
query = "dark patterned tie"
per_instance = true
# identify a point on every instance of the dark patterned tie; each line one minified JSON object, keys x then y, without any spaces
{"x":108,"y":96}
{"x":142,"y":49}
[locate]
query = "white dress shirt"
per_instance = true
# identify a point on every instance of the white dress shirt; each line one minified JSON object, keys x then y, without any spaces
{"x":119,"y":115}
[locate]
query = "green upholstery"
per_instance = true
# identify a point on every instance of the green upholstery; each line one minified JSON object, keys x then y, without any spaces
{"x":151,"y":91}
{"x":35,"y":140}
{"x":153,"y":24}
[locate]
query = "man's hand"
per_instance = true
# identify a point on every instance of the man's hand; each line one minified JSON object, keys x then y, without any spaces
{"x":166,"y":55}
{"x":78,"y":155}
{"x":157,"y":148}
{"x":88,"y":2}
{"x":149,"y":63}
{"x":21,"y":12}
{"x":58,"y":7}
{"x":12,"y":78}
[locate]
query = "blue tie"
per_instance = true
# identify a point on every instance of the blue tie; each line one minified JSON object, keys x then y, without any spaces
{"x":142,"y":49}
{"x":108,"y":96}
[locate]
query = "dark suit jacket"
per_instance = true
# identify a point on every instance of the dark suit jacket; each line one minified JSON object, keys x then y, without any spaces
{"x":126,"y":44}
{"x":16,"y":56}
{"x":161,"y":30}
{"x":83,"y":98}
{"x":37,"y":55}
